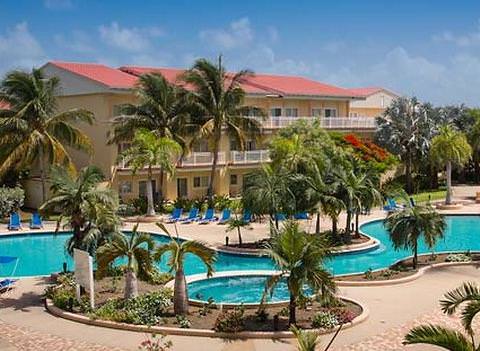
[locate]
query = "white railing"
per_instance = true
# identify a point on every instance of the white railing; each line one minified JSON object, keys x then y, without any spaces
{"x":202,"y":159}
{"x":325,"y":122}
{"x":253,"y":156}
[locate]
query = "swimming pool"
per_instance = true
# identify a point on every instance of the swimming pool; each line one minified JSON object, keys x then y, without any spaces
{"x":43,"y":254}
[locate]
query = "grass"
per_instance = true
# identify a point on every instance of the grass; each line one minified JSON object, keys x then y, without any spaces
{"x":430,"y":195}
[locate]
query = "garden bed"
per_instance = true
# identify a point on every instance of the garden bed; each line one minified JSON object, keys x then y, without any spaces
{"x":404,"y":268}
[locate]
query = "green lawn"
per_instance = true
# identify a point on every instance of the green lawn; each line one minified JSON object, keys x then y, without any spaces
{"x":433,"y":194}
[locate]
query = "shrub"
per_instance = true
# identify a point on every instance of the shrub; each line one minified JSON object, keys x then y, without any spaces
{"x":343,"y":315}
{"x":231,"y":321}
{"x":145,"y":309}
{"x":458,"y":258}
{"x":63,"y":295}
{"x":221,"y":202}
{"x":154,"y":343}
{"x":369,"y":274}
{"x":159,"y":278}
{"x":183,"y":322}
{"x":325,"y":320}
{"x":11,"y":199}
{"x":207,"y":307}
{"x":261,"y":315}
{"x":127,"y":210}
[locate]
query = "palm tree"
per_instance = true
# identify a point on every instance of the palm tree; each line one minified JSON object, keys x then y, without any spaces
{"x":136,"y":248}
{"x":237,"y":224}
{"x":405,"y":130}
{"x":306,"y":340}
{"x":408,"y":224}
{"x":449,"y":148}
{"x":219,"y":100}
{"x":267,"y":191}
{"x":87,"y":206}
{"x":148,"y":151}
{"x":299,"y":257}
{"x":446,"y":338}
{"x":178,"y":250}
{"x":163,"y":109}
{"x":32,"y":129}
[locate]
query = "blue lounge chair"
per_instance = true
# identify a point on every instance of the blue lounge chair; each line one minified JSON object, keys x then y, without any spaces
{"x":208,"y":217}
{"x":301,"y":215}
{"x":192,"y":216}
{"x":226,"y":214}
{"x":36,"y":221}
{"x":247,"y":216}
{"x":175,"y":216}
{"x":15,"y":222}
{"x":280,"y":216}
{"x":6,"y":284}
{"x":412,"y":201}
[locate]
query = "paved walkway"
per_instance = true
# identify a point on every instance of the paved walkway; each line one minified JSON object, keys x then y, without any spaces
{"x":24,"y":324}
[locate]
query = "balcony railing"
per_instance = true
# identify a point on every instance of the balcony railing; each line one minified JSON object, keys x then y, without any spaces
{"x":325,"y":122}
{"x":253,"y":156}
{"x":202,"y":159}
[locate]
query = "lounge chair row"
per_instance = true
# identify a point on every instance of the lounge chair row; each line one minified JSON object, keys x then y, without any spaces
{"x":15,"y":222}
{"x":208,"y":217}
{"x":393,"y":206}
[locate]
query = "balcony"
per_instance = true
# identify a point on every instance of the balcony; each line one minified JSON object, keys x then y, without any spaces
{"x":253,"y":156}
{"x":201,"y":159}
{"x":325,"y":122}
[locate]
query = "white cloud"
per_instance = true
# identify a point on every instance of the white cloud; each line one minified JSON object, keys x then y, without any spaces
{"x":58,"y":4}
{"x":19,"y":48}
{"x":239,"y":34}
{"x":79,"y":42}
{"x":462,"y":40}
{"x":129,"y":39}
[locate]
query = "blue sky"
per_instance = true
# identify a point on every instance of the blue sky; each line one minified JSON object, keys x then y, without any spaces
{"x":426,"y":48}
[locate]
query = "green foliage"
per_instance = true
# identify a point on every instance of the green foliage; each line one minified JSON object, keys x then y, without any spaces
{"x":458,"y":258}
{"x":261,"y":315}
{"x":11,"y":199}
{"x":63,"y":294}
{"x":324,"y":320}
{"x":158,"y":278}
{"x":306,"y":340}
{"x":368,"y":275}
{"x":230,"y":321}
{"x":207,"y":307}
{"x":147,"y":309}
{"x":183,"y":321}
{"x":155,"y":343}
{"x":450,"y":146}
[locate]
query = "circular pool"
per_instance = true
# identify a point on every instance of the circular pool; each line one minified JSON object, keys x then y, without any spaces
{"x":43,"y":254}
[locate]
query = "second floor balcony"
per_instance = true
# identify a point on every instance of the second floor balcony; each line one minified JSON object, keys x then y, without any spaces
{"x":325,"y":122}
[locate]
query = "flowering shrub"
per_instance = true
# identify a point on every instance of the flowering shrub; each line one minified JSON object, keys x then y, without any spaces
{"x":458,"y":258}
{"x":343,"y":315}
{"x":367,"y":149}
{"x":231,"y":321}
{"x":325,"y":320}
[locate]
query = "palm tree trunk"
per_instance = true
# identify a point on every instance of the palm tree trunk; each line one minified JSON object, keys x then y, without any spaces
{"x":448,"y":199}
{"x":42,"y":174}
{"x":334,"y":226}
{"x":131,"y":284}
{"x":292,"y":306}
{"x":150,"y":206}
{"x":180,"y":294}
{"x":216,"y":140}
{"x":160,"y":188}
{"x":317,"y":224}
{"x":239,"y":237}
{"x":408,"y":173}
{"x":357,"y":232}
{"x":415,"y":255}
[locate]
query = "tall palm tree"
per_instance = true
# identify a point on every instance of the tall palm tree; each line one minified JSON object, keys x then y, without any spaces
{"x":219,"y":99}
{"x":299,"y":257}
{"x":267,"y":191}
{"x":149,"y":151}
{"x":450,"y":147}
{"x":87,"y":206}
{"x":408,"y":224}
{"x":178,"y":250}
{"x":405,"y":130}
{"x":446,"y":338}
{"x":33,"y":129}
{"x":136,"y":248}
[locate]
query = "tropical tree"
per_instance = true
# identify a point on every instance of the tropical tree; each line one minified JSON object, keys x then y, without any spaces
{"x":219,"y":103}
{"x":306,"y":340}
{"x":32,"y":128}
{"x":299,"y":257}
{"x":450,"y":147}
{"x":407,"y":225}
{"x":473,"y":136}
{"x":136,"y":249}
{"x":178,"y":250}
{"x":469,"y":295}
{"x":149,"y":151}
{"x":405,"y":130}
{"x":236,"y":223}
{"x":87,"y":206}
{"x":267,"y":191}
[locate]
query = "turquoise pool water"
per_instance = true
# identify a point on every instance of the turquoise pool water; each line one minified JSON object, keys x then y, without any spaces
{"x":236,"y":289}
{"x":42,"y":254}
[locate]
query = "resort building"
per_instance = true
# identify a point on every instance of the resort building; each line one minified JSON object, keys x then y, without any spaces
{"x":375,"y":101}
{"x":286,"y":99}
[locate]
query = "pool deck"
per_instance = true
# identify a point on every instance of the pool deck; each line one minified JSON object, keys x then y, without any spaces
{"x":25,"y":325}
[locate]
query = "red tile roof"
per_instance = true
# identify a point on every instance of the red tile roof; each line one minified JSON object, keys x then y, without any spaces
{"x":126,"y":76}
{"x":366,"y":91}
{"x":111,"y":77}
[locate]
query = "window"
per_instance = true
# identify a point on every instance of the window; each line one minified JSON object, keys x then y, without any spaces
{"x":233,"y":179}
{"x":316,"y":112}
{"x":234,"y":145}
{"x":291,"y":112}
{"x":201,"y":146}
{"x":250,"y":145}
{"x":276,"y":112}
{"x":330,"y":112}
{"x":125,"y":187}
{"x":254,"y":112}
{"x":142,"y":188}
{"x":201,"y":182}
{"x":353,"y":114}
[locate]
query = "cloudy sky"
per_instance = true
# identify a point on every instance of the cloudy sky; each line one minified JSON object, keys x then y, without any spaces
{"x":428,"y":48}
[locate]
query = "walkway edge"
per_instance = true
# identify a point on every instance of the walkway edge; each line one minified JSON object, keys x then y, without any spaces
{"x":51,"y":308}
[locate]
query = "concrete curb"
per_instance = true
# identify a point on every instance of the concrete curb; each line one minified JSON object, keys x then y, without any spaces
{"x":194,"y":332}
